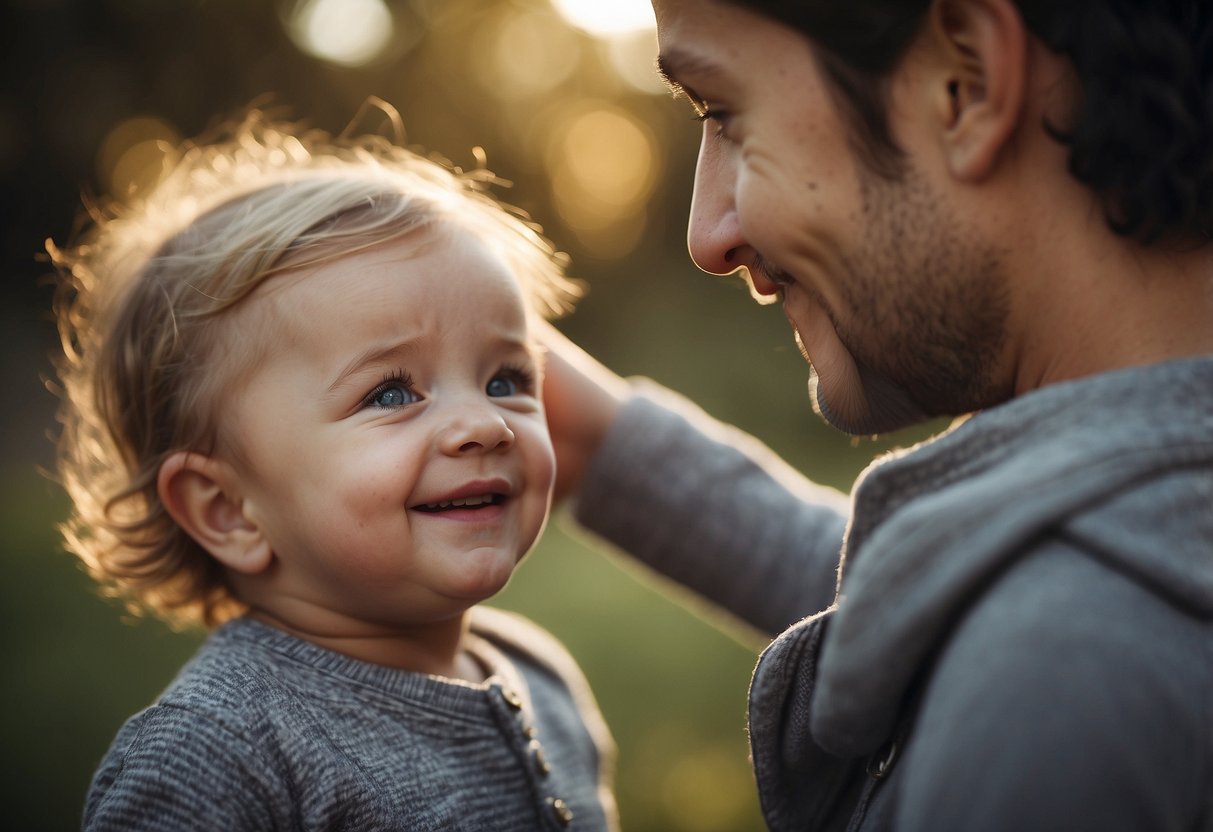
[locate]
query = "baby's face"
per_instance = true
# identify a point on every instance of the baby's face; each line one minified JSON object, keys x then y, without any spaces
{"x":393,"y":445}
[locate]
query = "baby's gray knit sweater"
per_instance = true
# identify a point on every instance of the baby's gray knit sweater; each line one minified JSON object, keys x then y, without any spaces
{"x":262,"y":730}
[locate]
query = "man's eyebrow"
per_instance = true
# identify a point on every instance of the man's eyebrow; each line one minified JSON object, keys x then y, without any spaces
{"x":666,"y":72}
{"x":675,"y":64}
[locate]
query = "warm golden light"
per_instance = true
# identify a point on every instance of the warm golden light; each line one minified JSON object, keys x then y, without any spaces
{"x":704,"y":790}
{"x":607,"y":18}
{"x":525,"y":54}
{"x":609,"y":155}
{"x":634,"y":59}
{"x":134,"y":153}
{"x":346,"y":32}
{"x":602,"y":165}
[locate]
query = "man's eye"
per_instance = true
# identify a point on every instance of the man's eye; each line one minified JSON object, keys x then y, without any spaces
{"x":717,"y":116}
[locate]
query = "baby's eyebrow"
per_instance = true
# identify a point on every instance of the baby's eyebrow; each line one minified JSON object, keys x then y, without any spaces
{"x":526,"y":351}
{"x":373,"y":356}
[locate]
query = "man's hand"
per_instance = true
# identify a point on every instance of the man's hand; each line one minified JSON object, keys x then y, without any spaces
{"x":581,"y":397}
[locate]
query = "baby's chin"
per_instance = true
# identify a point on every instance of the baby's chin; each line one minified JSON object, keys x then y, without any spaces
{"x":865,"y":404}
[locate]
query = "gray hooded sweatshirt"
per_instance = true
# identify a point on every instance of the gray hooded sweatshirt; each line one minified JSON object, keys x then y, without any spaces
{"x":1021,"y":636}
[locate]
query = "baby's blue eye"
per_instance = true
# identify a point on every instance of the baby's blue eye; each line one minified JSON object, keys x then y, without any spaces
{"x":501,"y":386}
{"x":392,"y":394}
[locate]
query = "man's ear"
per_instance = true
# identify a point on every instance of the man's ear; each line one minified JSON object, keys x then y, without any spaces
{"x":202,"y":494}
{"x":981,"y":88}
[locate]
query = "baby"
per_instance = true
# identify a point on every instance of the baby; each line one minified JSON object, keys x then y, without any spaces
{"x":302,"y":408}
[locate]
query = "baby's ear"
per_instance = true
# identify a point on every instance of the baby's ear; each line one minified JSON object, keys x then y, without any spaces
{"x":203,"y":495}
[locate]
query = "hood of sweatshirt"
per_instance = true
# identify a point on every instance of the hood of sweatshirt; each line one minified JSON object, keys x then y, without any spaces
{"x":1122,"y":463}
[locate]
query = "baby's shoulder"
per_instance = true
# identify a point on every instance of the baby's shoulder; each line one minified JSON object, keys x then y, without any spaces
{"x":219,"y":707}
{"x":232,"y":684}
{"x":184,"y":757}
{"x":524,"y":641}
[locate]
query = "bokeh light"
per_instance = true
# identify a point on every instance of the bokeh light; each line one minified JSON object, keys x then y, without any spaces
{"x":601,"y":161}
{"x":345,"y":32}
{"x":524,"y":54}
{"x":607,"y":18}
{"x":134,"y":153}
{"x":706,"y":790}
{"x":634,"y":60}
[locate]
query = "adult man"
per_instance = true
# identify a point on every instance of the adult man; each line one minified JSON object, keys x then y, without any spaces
{"x":964,"y":205}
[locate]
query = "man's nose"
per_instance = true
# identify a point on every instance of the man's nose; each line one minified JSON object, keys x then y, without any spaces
{"x":714,"y":234}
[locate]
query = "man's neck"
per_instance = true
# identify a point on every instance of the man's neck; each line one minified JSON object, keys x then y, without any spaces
{"x":1105,"y":303}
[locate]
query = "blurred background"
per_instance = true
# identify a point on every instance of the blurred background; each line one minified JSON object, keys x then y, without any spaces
{"x":562,"y":97}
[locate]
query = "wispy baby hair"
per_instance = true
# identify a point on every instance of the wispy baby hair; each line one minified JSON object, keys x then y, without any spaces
{"x":149,"y":346}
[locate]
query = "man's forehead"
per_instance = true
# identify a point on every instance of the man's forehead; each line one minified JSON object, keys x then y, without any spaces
{"x":694,"y":37}
{"x":676,"y":63}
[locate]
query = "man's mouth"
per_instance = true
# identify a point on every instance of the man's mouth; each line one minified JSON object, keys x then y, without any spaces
{"x":477,"y":501}
{"x":771,"y":271}
{"x":766,"y":280}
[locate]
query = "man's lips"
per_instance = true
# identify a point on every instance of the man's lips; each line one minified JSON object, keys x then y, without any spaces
{"x":767,"y":278}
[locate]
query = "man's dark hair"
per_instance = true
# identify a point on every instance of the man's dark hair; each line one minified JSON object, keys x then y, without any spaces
{"x":1141,"y":136}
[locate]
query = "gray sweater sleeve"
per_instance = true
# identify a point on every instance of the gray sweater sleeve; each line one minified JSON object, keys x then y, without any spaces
{"x":171,"y":768}
{"x":714,"y":510}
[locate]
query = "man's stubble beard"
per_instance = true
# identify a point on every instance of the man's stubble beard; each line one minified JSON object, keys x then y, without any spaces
{"x":929,"y":307}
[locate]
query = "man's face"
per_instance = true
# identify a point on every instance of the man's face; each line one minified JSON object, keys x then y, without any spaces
{"x":899,"y":305}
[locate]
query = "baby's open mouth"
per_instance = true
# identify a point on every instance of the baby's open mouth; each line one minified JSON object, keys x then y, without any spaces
{"x":474,"y":502}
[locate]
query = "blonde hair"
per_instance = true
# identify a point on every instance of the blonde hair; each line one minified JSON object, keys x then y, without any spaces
{"x":141,"y":309}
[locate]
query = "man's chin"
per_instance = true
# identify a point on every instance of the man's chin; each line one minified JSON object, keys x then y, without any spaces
{"x":877,"y":405}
